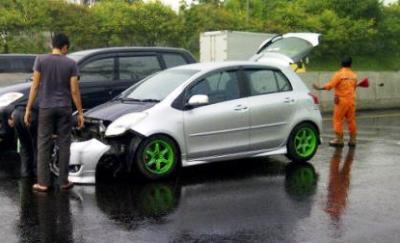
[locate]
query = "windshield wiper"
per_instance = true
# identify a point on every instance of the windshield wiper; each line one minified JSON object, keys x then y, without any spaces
{"x":150,"y":100}
{"x":138,"y":100}
{"x":128,"y":99}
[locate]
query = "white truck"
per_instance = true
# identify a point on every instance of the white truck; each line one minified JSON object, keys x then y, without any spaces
{"x":217,"y":46}
{"x":290,"y":49}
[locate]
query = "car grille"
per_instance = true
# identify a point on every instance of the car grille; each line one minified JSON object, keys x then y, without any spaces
{"x":93,"y":129}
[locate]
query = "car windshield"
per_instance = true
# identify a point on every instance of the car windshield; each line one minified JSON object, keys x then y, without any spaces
{"x":158,"y":86}
{"x":292,"y":47}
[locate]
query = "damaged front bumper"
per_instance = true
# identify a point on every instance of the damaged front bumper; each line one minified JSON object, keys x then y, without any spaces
{"x":84,"y":159}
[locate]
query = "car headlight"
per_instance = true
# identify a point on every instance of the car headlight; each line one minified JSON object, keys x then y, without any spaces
{"x":9,"y":98}
{"x":123,"y":123}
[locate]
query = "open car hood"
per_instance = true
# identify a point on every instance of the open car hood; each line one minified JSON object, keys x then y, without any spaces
{"x":287,"y":49}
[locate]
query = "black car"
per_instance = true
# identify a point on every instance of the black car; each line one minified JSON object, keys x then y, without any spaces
{"x":16,"y":63}
{"x":104,"y":73}
{"x":15,"y":67}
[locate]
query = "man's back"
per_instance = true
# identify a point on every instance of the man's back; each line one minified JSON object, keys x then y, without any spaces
{"x":344,"y":82}
{"x":55,"y":73}
{"x":346,"y":87}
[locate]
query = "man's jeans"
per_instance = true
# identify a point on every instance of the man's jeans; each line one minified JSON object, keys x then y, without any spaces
{"x":54,"y":121}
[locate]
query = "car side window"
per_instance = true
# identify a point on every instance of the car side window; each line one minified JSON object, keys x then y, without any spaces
{"x":5,"y":65}
{"x":16,"y":64}
{"x":137,"y":67}
{"x":282,"y":82}
{"x":173,"y":60}
{"x":219,"y":87}
{"x":267,"y":81}
{"x":98,"y":70}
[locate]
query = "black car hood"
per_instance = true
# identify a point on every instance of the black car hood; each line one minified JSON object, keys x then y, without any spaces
{"x":112,"y":110}
{"x":20,"y":87}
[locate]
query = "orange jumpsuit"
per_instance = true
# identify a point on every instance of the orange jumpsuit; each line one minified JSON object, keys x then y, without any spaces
{"x":344,"y":82}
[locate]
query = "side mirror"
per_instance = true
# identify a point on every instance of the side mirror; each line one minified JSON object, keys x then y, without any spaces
{"x":198,"y":100}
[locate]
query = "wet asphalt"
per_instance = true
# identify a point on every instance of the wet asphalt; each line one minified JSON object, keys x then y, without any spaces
{"x":342,"y":195}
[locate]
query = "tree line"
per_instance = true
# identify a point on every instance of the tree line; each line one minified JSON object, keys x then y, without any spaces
{"x":354,"y":27}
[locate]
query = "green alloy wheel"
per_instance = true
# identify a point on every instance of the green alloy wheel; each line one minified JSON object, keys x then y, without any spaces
{"x":157,"y":157}
{"x":302,"y":143}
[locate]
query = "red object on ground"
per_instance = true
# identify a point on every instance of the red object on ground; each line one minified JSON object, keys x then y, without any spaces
{"x":363,"y":83}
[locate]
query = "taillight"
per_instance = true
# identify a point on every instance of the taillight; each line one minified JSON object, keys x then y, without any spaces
{"x":315,"y":98}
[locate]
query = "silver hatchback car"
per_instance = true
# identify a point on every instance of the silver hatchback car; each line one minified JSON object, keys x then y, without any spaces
{"x":197,"y":114}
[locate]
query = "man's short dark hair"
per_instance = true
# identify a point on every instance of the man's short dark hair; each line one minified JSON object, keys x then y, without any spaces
{"x":60,"y":40}
{"x":347,"y":61}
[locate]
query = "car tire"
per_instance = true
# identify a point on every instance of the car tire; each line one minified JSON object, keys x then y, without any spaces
{"x":107,"y":168}
{"x":157,"y":157}
{"x":302,"y":143}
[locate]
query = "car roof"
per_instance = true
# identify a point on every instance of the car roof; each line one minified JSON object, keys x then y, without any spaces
{"x":204,"y":67}
{"x":126,"y":48}
{"x":18,"y":55}
{"x":80,"y":55}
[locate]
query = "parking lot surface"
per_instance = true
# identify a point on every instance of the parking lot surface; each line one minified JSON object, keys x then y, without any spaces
{"x":342,"y":195}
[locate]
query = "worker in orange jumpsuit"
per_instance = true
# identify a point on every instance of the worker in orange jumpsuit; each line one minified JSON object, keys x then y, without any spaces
{"x":344,"y":82}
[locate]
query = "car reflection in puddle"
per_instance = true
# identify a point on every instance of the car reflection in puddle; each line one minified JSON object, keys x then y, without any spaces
{"x":226,"y":201}
{"x":205,"y":204}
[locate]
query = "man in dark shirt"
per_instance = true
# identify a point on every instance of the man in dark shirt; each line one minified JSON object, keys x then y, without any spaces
{"x":55,"y":78}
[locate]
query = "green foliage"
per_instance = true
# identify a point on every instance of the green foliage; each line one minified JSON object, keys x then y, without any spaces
{"x":357,"y":9}
{"x":389,"y":31}
{"x":196,"y":21}
{"x":215,"y":2}
{"x":362,"y":28}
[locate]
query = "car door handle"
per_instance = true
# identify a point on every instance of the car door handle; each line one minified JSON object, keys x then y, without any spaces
{"x":240,"y":108}
{"x":288,"y":100}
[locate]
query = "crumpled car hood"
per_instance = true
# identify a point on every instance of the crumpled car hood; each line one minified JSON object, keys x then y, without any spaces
{"x":112,"y":110}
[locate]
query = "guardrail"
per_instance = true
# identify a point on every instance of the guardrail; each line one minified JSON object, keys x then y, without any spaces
{"x":383,"y":92}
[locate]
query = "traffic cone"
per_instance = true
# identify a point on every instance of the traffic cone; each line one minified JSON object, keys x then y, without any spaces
{"x":363,"y":83}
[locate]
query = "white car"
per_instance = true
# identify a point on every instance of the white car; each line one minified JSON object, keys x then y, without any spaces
{"x":200,"y":113}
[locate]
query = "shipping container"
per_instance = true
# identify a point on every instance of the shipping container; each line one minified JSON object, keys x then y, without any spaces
{"x":216,"y":46}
